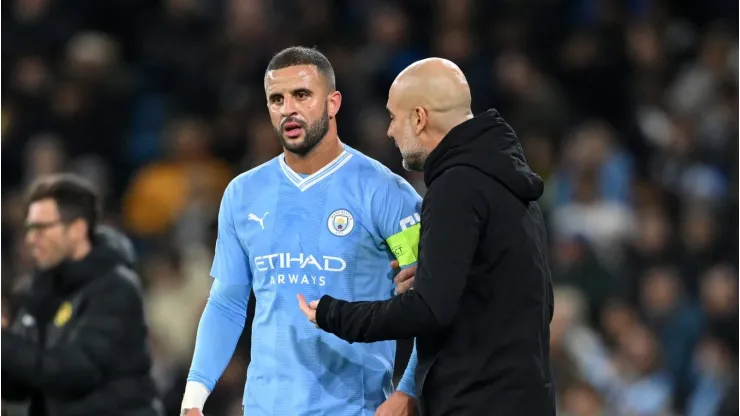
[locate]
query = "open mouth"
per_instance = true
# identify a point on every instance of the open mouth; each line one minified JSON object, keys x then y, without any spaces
{"x":293,"y":129}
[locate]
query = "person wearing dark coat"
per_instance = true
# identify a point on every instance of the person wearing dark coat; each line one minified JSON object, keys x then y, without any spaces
{"x":482,"y":300}
{"x":77,"y":343}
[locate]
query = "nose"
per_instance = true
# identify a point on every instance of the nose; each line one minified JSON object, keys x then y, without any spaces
{"x":32,"y":237}
{"x":289,"y":107}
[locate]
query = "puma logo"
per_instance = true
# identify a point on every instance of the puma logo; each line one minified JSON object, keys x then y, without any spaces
{"x":253,"y":217}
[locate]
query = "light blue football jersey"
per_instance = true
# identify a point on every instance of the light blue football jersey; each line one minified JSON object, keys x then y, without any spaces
{"x":330,"y":233}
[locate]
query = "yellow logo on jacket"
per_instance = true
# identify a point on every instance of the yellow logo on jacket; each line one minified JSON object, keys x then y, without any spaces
{"x":63,"y":314}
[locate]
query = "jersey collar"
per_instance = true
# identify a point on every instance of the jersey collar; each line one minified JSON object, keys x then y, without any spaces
{"x":304,"y":183}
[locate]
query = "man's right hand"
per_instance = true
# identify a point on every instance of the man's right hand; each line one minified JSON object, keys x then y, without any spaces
{"x":404,"y":280}
{"x":191,"y":412}
{"x":399,"y":404}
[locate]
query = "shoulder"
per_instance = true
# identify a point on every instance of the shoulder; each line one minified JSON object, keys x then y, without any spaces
{"x":463,"y":187}
{"x":368,"y":167}
{"x":376,"y":175}
{"x":119,"y":289}
{"x":458,"y":180}
{"x":258,"y":176}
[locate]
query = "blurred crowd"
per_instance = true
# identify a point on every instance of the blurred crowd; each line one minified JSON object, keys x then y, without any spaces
{"x":628,"y":110}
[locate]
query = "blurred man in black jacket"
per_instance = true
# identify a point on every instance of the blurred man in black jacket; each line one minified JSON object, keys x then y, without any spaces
{"x":482,"y":299}
{"x":77,"y":340}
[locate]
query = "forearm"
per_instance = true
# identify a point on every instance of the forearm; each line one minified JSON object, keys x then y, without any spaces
{"x":12,"y":389}
{"x":21,"y":360}
{"x":403,"y":316}
{"x":220,"y":328}
{"x":407,"y":384}
{"x":215,"y":343}
{"x":68,"y":368}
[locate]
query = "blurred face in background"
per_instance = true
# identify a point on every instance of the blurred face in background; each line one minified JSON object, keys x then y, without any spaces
{"x":540,"y":154}
{"x":588,"y":147}
{"x":569,"y":313}
{"x":653,"y":232}
{"x":44,"y":155}
{"x":301,"y":106}
{"x":262,"y":146}
{"x":713,"y":357}
{"x":661,"y":292}
{"x":49,"y":238}
{"x":718,"y":291}
{"x":618,"y":318}
{"x":189,"y":139}
{"x":582,"y":400}
{"x":698,"y":230}
{"x":639,"y":351}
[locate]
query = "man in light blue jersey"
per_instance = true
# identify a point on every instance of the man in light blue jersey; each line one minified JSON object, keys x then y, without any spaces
{"x":320,"y":219}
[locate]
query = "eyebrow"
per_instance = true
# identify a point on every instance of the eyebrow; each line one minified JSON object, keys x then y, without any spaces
{"x":293,"y":92}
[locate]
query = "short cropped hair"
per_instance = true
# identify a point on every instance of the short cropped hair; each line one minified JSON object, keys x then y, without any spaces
{"x":301,"y":55}
{"x":75,"y":197}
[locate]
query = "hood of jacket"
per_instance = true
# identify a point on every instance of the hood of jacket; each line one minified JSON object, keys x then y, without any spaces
{"x":48,"y":287}
{"x":116,"y":244}
{"x":486,"y":143}
{"x":110,"y":248}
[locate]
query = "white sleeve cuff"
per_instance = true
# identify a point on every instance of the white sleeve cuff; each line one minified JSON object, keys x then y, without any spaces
{"x":195,"y":396}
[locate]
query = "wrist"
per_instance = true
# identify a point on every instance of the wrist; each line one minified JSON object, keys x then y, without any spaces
{"x":407,"y":389}
{"x":195,"y":396}
{"x":322,"y":312}
{"x":400,"y":396}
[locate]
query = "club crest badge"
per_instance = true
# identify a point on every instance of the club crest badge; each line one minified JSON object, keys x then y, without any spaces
{"x":341,"y":222}
{"x":63,"y":314}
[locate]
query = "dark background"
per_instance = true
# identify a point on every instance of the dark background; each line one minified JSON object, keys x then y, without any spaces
{"x":628,"y":109}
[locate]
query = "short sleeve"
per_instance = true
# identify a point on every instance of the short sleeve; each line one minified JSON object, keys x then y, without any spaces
{"x":396,"y":210}
{"x":230,"y":262}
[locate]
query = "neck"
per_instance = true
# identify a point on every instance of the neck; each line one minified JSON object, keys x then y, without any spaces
{"x":455,"y":120}
{"x":446,"y":125}
{"x":328,"y":149}
{"x":81,"y":251}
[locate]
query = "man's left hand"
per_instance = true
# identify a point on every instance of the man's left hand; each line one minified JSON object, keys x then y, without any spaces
{"x":308,"y":309}
{"x":399,"y":404}
{"x":404,"y":280}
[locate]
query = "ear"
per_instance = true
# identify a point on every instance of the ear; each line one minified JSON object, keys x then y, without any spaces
{"x":78,"y":229}
{"x":333,"y":103}
{"x":420,"y":120}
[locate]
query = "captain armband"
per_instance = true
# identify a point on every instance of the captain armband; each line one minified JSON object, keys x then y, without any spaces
{"x":405,"y":245}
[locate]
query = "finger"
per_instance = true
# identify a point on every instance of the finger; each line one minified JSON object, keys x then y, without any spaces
{"x":394,"y":264}
{"x":404,"y":286}
{"x":404,"y":275}
{"x":314,"y":304}
{"x":303,"y":305}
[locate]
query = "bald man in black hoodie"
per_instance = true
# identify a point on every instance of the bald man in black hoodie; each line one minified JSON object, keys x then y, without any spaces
{"x":482,"y":299}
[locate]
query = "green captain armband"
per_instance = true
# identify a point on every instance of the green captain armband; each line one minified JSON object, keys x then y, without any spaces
{"x":405,"y":245}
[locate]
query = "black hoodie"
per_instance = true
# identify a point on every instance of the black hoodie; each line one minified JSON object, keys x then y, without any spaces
{"x":482,"y":299}
{"x":78,"y":343}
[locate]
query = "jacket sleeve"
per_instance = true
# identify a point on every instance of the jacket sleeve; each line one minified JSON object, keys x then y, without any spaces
{"x":113,"y":317}
{"x":452,"y":215}
{"x":12,"y":389}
